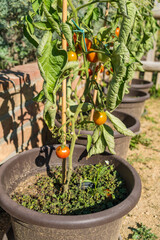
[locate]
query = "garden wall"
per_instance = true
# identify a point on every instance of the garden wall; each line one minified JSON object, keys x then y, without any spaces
{"x":21,"y":119}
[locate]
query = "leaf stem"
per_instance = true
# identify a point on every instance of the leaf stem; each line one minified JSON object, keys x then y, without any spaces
{"x":87,"y":4}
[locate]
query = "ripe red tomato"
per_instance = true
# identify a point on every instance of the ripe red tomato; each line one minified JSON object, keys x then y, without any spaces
{"x":88,"y":43}
{"x":92,"y":57}
{"x":72,"y":56}
{"x":101,"y":70}
{"x":111,"y":69}
{"x":117,"y":31}
{"x":90,"y":72}
{"x":62,"y":152}
{"x":99,"y":117}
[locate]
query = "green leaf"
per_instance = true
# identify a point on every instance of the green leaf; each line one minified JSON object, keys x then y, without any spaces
{"x":88,"y":17}
{"x":89,"y":142}
{"x":116,"y":90}
{"x":98,"y":147}
{"x":36,"y":5}
{"x":109,"y":138}
{"x":54,"y":4}
{"x":51,"y":60}
{"x":47,"y":4}
{"x":71,"y":65}
{"x":29,"y":23}
{"x":40,"y":97}
{"x":119,"y":125}
{"x":49,"y":114}
{"x":86,"y":107}
{"x":31,"y":38}
{"x":122,"y":6}
{"x":68,"y":34}
{"x":127,"y":23}
{"x":95,"y":135}
{"x":55,"y":25}
{"x":42,"y":25}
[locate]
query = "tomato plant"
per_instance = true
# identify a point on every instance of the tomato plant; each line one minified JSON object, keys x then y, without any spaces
{"x":72,"y":56}
{"x":92,"y":56}
{"x":99,"y":117}
{"x":62,"y":152}
{"x":54,"y":67}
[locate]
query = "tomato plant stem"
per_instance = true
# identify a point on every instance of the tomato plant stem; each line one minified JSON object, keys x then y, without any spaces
{"x":64,"y":46}
{"x":74,"y":11}
{"x":95,"y":92}
{"x":74,"y":138}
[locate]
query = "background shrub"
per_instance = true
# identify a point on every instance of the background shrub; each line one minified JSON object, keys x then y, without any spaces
{"x":14,"y":47}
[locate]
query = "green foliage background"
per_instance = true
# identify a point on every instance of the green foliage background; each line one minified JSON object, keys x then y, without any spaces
{"x":14,"y":47}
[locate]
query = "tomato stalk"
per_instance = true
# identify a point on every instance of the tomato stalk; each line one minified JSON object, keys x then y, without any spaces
{"x":73,"y":142}
{"x":74,"y":11}
{"x":64,"y":86}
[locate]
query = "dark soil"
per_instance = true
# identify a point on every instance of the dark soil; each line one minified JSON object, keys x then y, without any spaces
{"x":92,"y":188}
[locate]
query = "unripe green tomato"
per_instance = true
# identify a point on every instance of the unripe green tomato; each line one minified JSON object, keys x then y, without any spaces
{"x":102,"y":57}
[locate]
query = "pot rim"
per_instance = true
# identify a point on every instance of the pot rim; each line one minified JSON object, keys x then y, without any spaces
{"x":142,"y":97}
{"x":144,"y":85}
{"x":134,"y":128}
{"x":69,"y":222}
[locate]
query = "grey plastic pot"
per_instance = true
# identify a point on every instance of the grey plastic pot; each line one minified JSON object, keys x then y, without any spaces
{"x":31,"y":225}
{"x":141,"y":85}
{"x":133,"y":103}
{"x":121,"y":142}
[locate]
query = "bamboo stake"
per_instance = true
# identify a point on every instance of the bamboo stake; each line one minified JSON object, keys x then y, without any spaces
{"x":64,"y":46}
{"x":107,"y":9}
{"x":95,"y":92}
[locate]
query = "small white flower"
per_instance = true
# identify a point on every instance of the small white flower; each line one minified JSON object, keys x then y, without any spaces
{"x":107,"y":162}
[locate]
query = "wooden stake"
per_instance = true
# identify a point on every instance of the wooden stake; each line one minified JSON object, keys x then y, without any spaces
{"x":64,"y":46}
{"x":106,"y":13}
{"x":95,"y":92}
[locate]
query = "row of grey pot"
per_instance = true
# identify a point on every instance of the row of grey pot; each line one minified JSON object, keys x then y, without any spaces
{"x":105,"y":225}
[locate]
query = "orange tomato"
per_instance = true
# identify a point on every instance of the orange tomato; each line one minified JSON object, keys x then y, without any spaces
{"x":101,"y":69}
{"x":88,"y":43}
{"x":92,"y":57}
{"x":72,"y":56}
{"x":99,"y":117}
{"x":107,"y":73}
{"x":62,"y":152}
{"x":117,"y":31}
